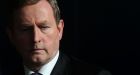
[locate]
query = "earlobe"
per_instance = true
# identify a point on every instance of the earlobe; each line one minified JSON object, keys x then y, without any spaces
{"x":9,"y":34}
{"x":60,"y":28}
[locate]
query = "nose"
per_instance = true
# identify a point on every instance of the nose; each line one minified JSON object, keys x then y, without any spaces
{"x":37,"y":35}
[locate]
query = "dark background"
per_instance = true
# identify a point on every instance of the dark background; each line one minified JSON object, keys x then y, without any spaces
{"x":105,"y":32}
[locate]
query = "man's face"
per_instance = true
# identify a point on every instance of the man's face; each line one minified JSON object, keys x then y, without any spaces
{"x":35,"y":33}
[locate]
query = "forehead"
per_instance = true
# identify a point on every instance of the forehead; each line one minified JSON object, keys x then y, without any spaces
{"x":38,"y":12}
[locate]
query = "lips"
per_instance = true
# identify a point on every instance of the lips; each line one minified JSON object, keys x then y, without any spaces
{"x":38,"y":49}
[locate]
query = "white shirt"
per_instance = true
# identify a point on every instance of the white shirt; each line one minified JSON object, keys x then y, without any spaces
{"x":46,"y":69}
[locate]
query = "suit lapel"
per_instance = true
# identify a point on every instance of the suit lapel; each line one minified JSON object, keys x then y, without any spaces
{"x":19,"y":71}
{"x":61,"y":67}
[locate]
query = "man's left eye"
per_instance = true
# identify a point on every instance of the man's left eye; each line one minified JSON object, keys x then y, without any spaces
{"x":44,"y":27}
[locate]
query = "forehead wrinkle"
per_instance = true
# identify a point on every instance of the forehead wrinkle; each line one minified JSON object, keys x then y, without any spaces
{"x":26,"y":20}
{"x":36,"y":13}
{"x":32,"y":17}
{"x":43,"y":13}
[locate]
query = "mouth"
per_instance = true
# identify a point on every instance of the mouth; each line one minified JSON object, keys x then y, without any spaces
{"x":37,"y":49}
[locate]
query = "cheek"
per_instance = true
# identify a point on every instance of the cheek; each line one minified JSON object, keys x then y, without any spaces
{"x":52,"y":36}
{"x":23,"y":44}
{"x":22,"y":40}
{"x":51,"y":40}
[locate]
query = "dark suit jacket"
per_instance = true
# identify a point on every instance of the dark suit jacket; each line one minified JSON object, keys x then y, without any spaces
{"x":67,"y":65}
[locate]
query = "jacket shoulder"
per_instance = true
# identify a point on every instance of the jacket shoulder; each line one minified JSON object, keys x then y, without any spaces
{"x":80,"y":67}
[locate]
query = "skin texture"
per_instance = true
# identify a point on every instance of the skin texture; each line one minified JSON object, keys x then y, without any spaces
{"x":35,"y":34}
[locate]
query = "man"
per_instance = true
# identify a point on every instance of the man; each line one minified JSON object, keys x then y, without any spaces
{"x":35,"y":29}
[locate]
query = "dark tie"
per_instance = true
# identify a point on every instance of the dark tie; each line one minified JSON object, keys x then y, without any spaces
{"x":36,"y":73}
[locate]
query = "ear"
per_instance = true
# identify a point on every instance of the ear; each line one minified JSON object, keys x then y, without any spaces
{"x":9,"y":34}
{"x":60,"y":28}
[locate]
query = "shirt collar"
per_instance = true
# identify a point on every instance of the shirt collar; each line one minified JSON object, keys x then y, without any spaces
{"x":46,"y":69}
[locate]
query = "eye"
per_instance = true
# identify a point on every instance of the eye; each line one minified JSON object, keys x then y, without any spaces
{"x":26,"y":29}
{"x":44,"y":27}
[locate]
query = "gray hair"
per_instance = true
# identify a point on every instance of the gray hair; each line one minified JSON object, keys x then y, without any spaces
{"x":17,"y":4}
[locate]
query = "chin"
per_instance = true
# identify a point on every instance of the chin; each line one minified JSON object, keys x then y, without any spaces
{"x":40,"y":59}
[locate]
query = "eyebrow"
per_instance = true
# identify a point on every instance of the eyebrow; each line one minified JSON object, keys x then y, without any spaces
{"x":42,"y":23}
{"x":25,"y":26}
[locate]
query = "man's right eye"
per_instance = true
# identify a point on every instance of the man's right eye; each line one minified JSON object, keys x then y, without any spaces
{"x":26,"y":29}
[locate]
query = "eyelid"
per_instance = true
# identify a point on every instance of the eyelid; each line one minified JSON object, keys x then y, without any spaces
{"x":44,"y":26}
{"x":26,"y":28}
